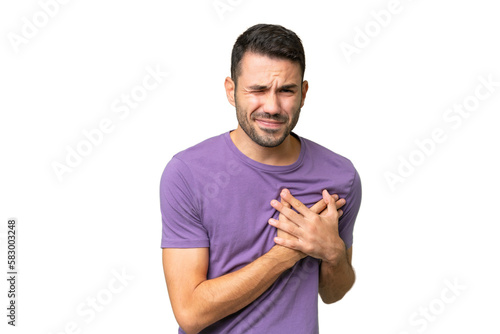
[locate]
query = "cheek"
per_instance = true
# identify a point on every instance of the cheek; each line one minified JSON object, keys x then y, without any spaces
{"x":290,"y":105}
{"x":249,"y":104}
{"x":254,"y":101}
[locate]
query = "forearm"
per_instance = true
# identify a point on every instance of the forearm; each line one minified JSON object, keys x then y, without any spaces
{"x":217,"y":298}
{"x":335,"y":280}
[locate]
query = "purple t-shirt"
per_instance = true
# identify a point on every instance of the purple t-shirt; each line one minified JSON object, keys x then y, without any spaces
{"x":212,"y":195}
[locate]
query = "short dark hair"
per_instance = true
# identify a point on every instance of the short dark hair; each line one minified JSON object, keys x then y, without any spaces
{"x":269,"y":40}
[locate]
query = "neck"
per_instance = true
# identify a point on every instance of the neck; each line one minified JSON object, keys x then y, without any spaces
{"x":284,"y":154}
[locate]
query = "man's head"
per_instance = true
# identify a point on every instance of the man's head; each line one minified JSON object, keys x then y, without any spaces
{"x":273,"y":41}
{"x":266,"y":85}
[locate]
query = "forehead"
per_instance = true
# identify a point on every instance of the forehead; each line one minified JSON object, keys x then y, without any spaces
{"x":258,"y":67}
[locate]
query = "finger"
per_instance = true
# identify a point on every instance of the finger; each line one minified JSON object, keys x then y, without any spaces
{"x":282,"y":217}
{"x":296,"y":204}
{"x":340,"y":213}
{"x":340,"y":203}
{"x":285,"y":203}
{"x":288,"y":243}
{"x":288,"y":212}
{"x":285,"y":226}
{"x":330,"y":203}
{"x":318,"y":206}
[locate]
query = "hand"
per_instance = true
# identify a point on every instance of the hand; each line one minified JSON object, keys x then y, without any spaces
{"x":311,"y":231}
{"x":319,"y":208}
{"x":282,"y":218}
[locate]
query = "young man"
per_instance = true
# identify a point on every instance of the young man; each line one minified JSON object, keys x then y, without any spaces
{"x":237,"y":257}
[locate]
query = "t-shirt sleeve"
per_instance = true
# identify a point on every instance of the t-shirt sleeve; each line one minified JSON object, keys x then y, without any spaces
{"x":350,"y":209}
{"x":181,"y":223}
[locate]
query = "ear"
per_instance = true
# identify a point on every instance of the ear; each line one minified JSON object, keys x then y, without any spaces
{"x":305,"y":87}
{"x":230,"y":86}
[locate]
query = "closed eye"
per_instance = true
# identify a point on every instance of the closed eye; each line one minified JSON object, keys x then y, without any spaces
{"x":257,"y":91}
{"x":291,"y":89}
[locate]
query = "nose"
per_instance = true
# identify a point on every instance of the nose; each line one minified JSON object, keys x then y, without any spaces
{"x":271,"y":103}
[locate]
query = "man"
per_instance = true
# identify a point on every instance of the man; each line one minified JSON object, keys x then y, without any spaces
{"x":237,"y":257}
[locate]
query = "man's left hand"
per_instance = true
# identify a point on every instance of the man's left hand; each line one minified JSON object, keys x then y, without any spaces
{"x":316,"y":235}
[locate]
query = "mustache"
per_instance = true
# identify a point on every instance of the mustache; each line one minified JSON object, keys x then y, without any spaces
{"x":274,"y":117}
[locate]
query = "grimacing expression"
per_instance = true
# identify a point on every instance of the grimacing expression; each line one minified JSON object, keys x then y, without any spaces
{"x":268,"y":98}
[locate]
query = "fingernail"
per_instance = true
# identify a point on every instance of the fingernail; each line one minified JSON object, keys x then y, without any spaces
{"x":284,"y":192}
{"x":274,"y":202}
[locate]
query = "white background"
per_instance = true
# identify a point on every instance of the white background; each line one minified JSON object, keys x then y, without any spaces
{"x":439,"y":225}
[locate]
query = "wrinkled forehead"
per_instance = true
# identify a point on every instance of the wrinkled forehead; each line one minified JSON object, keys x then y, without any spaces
{"x":258,"y":69}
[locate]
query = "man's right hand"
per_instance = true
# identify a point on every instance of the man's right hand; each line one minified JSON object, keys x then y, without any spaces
{"x":319,"y":208}
{"x":198,"y":302}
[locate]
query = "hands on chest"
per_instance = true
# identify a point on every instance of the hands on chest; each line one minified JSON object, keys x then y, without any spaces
{"x":311,"y":231}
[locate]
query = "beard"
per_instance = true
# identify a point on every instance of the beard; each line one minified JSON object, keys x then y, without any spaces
{"x":271,"y":137}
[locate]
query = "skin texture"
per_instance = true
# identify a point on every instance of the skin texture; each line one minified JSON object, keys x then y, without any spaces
{"x":268,"y":97}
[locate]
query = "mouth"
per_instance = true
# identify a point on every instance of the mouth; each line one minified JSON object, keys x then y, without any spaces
{"x":269,"y":124}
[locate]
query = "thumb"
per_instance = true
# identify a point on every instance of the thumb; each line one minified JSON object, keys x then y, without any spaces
{"x":330,"y":203}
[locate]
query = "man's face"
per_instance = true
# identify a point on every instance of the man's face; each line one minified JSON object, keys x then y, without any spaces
{"x":268,"y":97}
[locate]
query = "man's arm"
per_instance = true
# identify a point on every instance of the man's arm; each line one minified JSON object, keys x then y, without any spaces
{"x":336,"y":281}
{"x":198,"y":302}
{"x":317,"y":235}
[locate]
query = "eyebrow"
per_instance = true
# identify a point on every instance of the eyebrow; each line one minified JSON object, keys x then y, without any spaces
{"x":261,"y":87}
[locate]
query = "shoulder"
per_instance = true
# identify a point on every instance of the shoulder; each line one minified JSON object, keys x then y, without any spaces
{"x":203,"y":150}
{"x":318,"y":152}
{"x":332,"y":166}
{"x":196,"y":159}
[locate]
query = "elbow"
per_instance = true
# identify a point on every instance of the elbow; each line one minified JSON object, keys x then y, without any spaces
{"x":191,"y":330}
{"x":333,"y":298}
{"x":334,"y":295}
{"x":188,"y":321}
